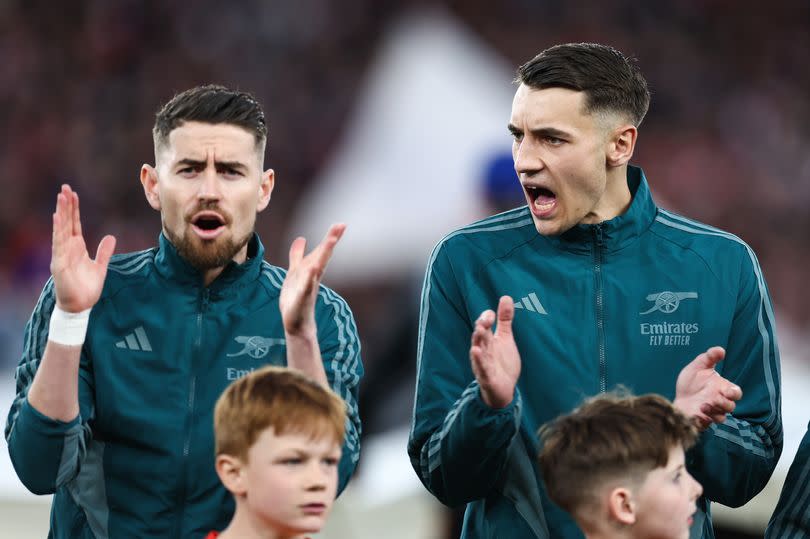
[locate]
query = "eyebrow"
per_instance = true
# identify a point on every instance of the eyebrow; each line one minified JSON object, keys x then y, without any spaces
{"x":196,"y":163}
{"x":542,"y":132}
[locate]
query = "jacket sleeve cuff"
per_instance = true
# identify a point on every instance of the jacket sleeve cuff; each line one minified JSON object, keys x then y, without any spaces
{"x":513,"y":409}
{"x":35,"y":420}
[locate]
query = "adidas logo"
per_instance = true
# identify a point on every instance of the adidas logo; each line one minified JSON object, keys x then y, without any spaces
{"x":530,"y":303}
{"x":137,"y":340}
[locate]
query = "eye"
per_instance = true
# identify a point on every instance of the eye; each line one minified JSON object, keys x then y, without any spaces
{"x":517,"y":136}
{"x":677,"y":478}
{"x":186,"y":171}
{"x":292,"y":461}
{"x":554,"y":141}
{"x":330,"y":461}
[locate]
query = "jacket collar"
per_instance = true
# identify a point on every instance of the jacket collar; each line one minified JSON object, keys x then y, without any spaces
{"x":174,"y":267}
{"x":620,"y":231}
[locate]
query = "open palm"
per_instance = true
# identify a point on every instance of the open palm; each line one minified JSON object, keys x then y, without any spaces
{"x":494,"y":355}
{"x":300,"y":288}
{"x":78,"y":280}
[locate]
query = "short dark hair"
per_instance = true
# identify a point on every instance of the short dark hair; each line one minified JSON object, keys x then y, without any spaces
{"x":611,"y":81}
{"x":611,"y":436}
{"x":211,"y":104}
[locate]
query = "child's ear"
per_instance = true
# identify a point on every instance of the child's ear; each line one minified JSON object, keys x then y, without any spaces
{"x":621,"y":506}
{"x":230,"y":471}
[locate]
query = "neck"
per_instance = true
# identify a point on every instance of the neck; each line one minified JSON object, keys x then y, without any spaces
{"x":608,"y":530}
{"x":246,"y":525}
{"x":616,"y":198}
{"x":605,"y":534}
{"x":211,"y":274}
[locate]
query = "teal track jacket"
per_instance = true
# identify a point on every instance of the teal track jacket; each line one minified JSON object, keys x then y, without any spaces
{"x":160,"y":349}
{"x":791,"y":519}
{"x":628,"y":301}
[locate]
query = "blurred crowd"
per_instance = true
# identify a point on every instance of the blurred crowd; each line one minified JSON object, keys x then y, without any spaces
{"x":726,"y":140}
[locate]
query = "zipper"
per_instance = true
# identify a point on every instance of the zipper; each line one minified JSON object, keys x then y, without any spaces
{"x":204,"y":300}
{"x":600,"y":306}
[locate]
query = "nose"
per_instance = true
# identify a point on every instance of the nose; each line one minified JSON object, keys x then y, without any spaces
{"x":317,"y":478}
{"x":697,"y":488}
{"x":526,"y":154}
{"x":209,"y":187}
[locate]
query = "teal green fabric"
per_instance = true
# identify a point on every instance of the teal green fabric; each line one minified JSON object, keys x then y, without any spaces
{"x":628,"y":301}
{"x":791,"y":518}
{"x":160,"y":349}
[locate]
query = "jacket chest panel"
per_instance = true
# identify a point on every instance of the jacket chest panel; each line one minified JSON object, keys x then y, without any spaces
{"x":169,"y":364}
{"x":635,"y":320}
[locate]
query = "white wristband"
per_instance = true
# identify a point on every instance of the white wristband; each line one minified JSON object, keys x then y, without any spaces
{"x":68,"y":328}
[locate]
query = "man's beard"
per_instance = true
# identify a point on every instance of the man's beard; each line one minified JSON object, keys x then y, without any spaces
{"x":207,"y":254}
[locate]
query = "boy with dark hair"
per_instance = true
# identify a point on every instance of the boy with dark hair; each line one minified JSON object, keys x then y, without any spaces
{"x":278,"y":436}
{"x":617,"y":465}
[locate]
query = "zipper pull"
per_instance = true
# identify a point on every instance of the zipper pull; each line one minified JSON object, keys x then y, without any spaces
{"x":598,"y":233}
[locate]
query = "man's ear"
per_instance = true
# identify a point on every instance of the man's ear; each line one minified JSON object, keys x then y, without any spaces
{"x":621,"y":506}
{"x":231,"y":472}
{"x":149,"y":181}
{"x":621,"y":144}
{"x":266,"y":185}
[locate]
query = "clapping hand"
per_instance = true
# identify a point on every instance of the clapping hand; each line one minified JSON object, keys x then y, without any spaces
{"x":702,"y":394}
{"x":78,"y":280}
{"x":494,"y":355}
{"x":300,"y":288}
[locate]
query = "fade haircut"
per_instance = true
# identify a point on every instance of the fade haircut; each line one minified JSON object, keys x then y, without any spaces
{"x":211,"y":104}
{"x":280,"y":398}
{"x":611,"y":437}
{"x":611,"y":81}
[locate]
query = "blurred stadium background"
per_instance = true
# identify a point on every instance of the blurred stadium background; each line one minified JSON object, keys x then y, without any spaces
{"x":390,"y":115}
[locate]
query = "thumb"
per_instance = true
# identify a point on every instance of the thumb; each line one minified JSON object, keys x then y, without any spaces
{"x":106,"y":248}
{"x":710,"y":357}
{"x":297,"y":252}
{"x":506,"y":313}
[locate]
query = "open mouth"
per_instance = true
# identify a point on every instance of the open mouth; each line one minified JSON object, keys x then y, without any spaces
{"x":542,"y":201}
{"x":208,"y":225}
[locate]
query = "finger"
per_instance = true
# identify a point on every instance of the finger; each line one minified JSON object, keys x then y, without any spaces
{"x":77,"y":222}
{"x":732,"y":392}
{"x":59,"y":221}
{"x":106,"y":248}
{"x":476,"y":355}
{"x":716,"y":416}
{"x":297,"y":248}
{"x":482,"y":336}
{"x":718,"y":405}
{"x":324,"y":249}
{"x":486,"y":318}
{"x":702,"y":421}
{"x":506,"y":313}
{"x":480,"y":363}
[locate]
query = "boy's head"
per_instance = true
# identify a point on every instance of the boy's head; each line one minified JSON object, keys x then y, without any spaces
{"x":278,"y":443}
{"x":616,"y":464}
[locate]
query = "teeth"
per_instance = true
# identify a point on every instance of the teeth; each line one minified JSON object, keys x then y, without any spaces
{"x":541,"y":206}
